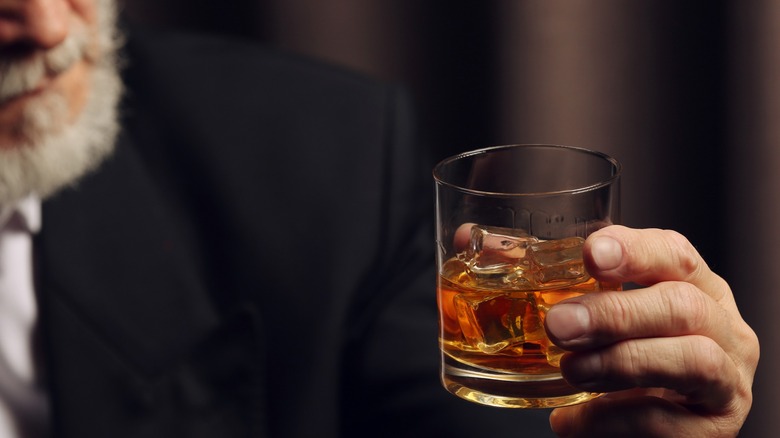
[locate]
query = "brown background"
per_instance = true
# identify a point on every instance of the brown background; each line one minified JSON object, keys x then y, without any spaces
{"x":686,"y":94}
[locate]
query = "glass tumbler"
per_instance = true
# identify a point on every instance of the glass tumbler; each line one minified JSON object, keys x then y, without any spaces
{"x":510,"y":225}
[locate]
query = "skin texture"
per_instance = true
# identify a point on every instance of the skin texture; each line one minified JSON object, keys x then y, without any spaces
{"x":676,"y":356}
{"x":59,"y":93}
{"x":28,"y":27}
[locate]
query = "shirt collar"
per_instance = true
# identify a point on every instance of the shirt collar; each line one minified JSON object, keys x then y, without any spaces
{"x":28,"y":211}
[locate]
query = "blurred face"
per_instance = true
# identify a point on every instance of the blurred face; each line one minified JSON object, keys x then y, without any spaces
{"x":59,"y":89}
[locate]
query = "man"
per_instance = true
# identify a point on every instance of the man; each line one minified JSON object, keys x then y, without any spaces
{"x":250,"y":256}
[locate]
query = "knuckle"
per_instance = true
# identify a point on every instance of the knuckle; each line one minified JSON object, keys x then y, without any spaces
{"x":750,"y":351}
{"x":687,"y":308}
{"x":683,"y":255}
{"x":625,"y":365}
{"x":612,"y":313}
{"x":666,"y":252}
{"x":754,"y":347}
{"x":636,"y":361}
{"x":709,"y":359}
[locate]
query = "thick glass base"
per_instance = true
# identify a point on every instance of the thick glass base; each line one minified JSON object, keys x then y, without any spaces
{"x":512,"y":391}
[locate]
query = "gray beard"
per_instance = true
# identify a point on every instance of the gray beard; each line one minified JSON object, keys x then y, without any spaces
{"x":55,"y":154}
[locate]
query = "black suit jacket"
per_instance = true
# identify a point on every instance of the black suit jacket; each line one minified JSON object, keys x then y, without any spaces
{"x":254,"y":260}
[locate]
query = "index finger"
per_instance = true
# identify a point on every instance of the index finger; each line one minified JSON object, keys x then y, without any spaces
{"x":620,"y":254}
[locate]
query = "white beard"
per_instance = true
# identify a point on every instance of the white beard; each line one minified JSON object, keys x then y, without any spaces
{"x":54,"y":153}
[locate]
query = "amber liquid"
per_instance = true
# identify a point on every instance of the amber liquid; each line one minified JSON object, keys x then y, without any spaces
{"x":494,"y":347}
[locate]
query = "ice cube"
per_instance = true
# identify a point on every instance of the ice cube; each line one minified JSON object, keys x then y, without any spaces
{"x":497,"y":256}
{"x":499,"y":322}
{"x":555,"y":262}
{"x":497,"y":249}
{"x":553,"y":353}
{"x":545,"y":301}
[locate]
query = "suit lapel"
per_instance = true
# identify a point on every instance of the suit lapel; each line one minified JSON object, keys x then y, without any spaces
{"x":122,"y":303}
{"x":112,"y":252}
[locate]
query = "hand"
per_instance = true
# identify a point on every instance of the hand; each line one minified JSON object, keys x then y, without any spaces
{"x":676,"y":357}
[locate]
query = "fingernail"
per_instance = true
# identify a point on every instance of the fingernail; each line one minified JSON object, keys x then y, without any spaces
{"x":606,"y":253}
{"x":583,"y":371}
{"x":567,"y":321}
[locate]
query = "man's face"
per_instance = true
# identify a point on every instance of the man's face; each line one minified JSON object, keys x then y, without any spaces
{"x":58,"y":92}
{"x":28,"y":30}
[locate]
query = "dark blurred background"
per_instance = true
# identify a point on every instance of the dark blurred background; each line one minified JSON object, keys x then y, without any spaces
{"x":684,"y":93}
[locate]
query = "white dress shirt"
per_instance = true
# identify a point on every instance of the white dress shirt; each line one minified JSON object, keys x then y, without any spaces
{"x":24,"y":409}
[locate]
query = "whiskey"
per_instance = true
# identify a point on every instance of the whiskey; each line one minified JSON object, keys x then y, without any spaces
{"x":499,"y":329}
{"x":492,"y":334}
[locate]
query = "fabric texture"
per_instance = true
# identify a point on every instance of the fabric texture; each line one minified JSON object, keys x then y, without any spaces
{"x":23,"y":400}
{"x":256,"y":259}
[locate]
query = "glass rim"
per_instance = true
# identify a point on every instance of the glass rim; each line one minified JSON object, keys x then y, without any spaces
{"x":616,"y":166}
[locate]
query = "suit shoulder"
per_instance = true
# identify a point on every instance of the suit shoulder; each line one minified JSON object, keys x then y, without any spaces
{"x":232,"y":65}
{"x":217,"y":103}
